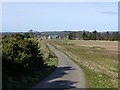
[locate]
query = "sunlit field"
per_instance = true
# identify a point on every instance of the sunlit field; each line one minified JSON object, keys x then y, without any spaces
{"x":99,"y":60}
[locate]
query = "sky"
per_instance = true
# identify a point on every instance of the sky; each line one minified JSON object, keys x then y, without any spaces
{"x":59,"y":16}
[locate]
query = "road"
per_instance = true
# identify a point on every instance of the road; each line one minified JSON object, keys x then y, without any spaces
{"x":67,"y":75}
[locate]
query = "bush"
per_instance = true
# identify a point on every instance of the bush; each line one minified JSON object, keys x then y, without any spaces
{"x":20,"y":56}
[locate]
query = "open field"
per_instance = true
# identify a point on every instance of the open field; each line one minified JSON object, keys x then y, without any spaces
{"x":99,"y":60}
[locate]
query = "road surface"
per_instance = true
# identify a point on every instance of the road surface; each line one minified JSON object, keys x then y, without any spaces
{"x":67,"y":75}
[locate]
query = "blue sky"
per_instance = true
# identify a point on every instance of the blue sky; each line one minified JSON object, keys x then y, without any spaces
{"x":59,"y":16}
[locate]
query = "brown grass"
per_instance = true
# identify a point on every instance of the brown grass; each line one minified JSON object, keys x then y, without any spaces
{"x":43,"y":46}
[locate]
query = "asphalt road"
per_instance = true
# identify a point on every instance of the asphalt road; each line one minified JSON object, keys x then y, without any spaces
{"x":67,"y":75}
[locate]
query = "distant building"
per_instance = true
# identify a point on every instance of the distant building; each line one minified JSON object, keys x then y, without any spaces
{"x":53,"y":37}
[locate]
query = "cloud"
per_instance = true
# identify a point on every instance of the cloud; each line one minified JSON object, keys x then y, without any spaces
{"x":109,"y":12}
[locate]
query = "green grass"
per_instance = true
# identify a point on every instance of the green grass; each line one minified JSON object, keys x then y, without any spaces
{"x":52,"y":62}
{"x":96,"y":80}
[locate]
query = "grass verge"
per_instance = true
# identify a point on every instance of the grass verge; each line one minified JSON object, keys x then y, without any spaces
{"x":94,"y":79}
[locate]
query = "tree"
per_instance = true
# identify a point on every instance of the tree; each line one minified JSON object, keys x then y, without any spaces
{"x":115,"y":36}
{"x":72,"y":36}
{"x":21,"y":56}
{"x":18,"y":36}
{"x":85,"y":36}
{"x":26,"y":35}
{"x":90,"y":36}
{"x":94,"y":35}
{"x":31,"y":33}
{"x":107,"y":36}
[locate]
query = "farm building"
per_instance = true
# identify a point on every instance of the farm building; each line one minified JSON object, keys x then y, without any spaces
{"x":53,"y":37}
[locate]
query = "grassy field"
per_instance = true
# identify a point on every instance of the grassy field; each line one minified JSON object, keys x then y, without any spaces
{"x":98,"y":59}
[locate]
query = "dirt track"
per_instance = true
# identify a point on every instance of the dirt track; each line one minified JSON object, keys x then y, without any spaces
{"x":67,"y":75}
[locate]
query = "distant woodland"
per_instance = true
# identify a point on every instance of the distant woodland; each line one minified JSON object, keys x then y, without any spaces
{"x":73,"y":35}
{"x":112,"y":36}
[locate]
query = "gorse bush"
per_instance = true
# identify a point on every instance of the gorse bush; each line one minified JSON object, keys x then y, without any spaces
{"x":20,"y":55}
{"x":23,"y":64}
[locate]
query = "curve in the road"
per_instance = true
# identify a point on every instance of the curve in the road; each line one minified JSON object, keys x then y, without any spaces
{"x":67,"y":75}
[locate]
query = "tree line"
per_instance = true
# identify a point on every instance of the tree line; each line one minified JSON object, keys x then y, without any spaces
{"x":86,"y":35}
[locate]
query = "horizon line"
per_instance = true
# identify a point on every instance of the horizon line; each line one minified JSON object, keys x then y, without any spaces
{"x":60,"y":31}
